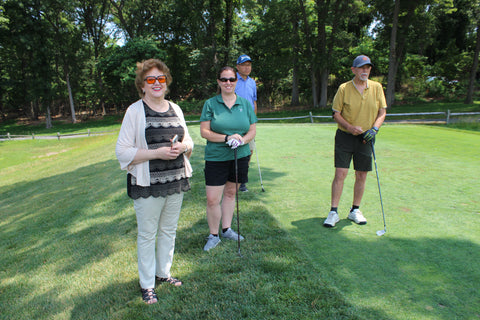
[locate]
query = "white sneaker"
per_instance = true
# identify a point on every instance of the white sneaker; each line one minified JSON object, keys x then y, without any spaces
{"x":357,"y":217}
{"x":331,"y":220}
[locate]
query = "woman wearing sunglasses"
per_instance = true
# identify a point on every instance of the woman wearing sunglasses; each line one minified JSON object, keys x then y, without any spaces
{"x":154,"y":147}
{"x":227,"y":122}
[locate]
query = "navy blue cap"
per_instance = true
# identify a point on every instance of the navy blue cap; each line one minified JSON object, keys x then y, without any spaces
{"x":243,"y":58}
{"x":361,"y":61}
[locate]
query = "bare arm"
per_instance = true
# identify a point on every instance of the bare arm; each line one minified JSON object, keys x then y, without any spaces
{"x":355,"y":130}
{"x":207,"y":133}
{"x":250,"y":135}
{"x":382,"y":113}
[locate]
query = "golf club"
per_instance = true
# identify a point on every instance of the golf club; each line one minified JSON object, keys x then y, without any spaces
{"x":236,"y":197}
{"x":259,"y":172}
{"x":379,"y":232}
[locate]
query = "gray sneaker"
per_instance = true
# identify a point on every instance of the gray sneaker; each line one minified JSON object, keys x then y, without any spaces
{"x":232,"y":235}
{"x":212,"y":242}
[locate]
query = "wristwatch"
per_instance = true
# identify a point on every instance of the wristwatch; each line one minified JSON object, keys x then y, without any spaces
{"x":376,"y":128}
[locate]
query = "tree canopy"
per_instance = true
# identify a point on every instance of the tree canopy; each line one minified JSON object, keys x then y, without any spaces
{"x":74,"y":56}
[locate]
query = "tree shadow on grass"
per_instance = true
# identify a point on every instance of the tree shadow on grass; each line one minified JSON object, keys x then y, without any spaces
{"x":57,"y":228}
{"x":436,"y":278}
{"x":268,"y":280}
{"x":40,"y":220}
{"x":68,"y":251}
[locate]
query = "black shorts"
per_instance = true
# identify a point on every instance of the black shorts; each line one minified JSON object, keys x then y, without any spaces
{"x":217,"y":173}
{"x":348,"y":146}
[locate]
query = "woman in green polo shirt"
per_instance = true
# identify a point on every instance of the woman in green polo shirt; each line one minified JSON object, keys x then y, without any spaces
{"x":227,"y":122}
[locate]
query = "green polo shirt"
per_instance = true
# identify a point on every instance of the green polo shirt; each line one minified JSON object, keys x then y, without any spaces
{"x":359,"y":110}
{"x":227,"y":121}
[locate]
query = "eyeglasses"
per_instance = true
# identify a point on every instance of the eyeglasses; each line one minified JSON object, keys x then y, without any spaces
{"x":227,"y":79}
{"x":151,"y":79}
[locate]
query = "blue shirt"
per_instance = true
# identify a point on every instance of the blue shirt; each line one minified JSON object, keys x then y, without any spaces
{"x":227,"y":121}
{"x":247,"y":89}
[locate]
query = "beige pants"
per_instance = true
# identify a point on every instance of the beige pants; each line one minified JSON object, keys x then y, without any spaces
{"x":157,"y":219}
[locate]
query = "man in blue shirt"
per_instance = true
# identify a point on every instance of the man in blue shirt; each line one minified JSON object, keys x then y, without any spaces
{"x":246,"y":88}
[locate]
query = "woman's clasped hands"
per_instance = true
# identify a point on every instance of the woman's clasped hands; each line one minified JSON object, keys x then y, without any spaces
{"x":234,"y":141}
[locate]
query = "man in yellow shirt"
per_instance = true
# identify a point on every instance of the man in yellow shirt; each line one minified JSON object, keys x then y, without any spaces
{"x":359,"y":108}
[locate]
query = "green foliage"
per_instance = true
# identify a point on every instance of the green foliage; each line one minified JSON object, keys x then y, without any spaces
{"x":421,"y":80}
{"x":300,"y":49}
{"x":191,"y":106}
{"x":118,"y":69}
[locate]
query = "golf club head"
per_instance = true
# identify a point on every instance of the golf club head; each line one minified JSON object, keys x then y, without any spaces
{"x":381,"y":232}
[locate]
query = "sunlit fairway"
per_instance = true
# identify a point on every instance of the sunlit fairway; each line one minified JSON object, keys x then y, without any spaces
{"x":68,"y":233}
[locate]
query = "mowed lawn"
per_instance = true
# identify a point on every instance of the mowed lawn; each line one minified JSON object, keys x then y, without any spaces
{"x":67,"y":233}
{"x":427,"y":265}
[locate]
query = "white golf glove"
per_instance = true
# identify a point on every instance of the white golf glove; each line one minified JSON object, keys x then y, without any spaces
{"x":234,"y":144}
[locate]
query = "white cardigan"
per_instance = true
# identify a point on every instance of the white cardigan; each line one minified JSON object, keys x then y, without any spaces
{"x":132,"y":137}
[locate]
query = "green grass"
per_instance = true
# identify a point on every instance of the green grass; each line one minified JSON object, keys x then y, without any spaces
{"x":425,"y":266}
{"x":68,"y":233}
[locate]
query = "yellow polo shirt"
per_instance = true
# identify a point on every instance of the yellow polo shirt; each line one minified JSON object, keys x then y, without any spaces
{"x":356,"y":109}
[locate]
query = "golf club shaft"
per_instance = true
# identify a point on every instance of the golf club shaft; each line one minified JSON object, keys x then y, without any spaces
{"x":259,"y":171}
{"x":236,"y":197}
{"x":378,"y":182}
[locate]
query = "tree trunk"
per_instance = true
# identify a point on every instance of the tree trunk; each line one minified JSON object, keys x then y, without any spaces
{"x":210,"y":47}
{"x":2,"y":113}
{"x":393,"y":57}
{"x":323,"y":88}
{"x":473,"y":71}
{"x":48,"y":119}
{"x":70,"y":97}
{"x":295,"y":91}
{"x":310,"y":53}
{"x":329,"y":48}
{"x":228,"y":30}
{"x":322,"y":11}
{"x":314,"y":88}
{"x":34,"y":110}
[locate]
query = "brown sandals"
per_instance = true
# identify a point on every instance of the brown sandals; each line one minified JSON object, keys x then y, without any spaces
{"x":149,"y":296}
{"x":171,"y":280}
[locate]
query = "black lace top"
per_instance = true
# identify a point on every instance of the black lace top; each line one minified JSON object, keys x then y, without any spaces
{"x":166,"y":176}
